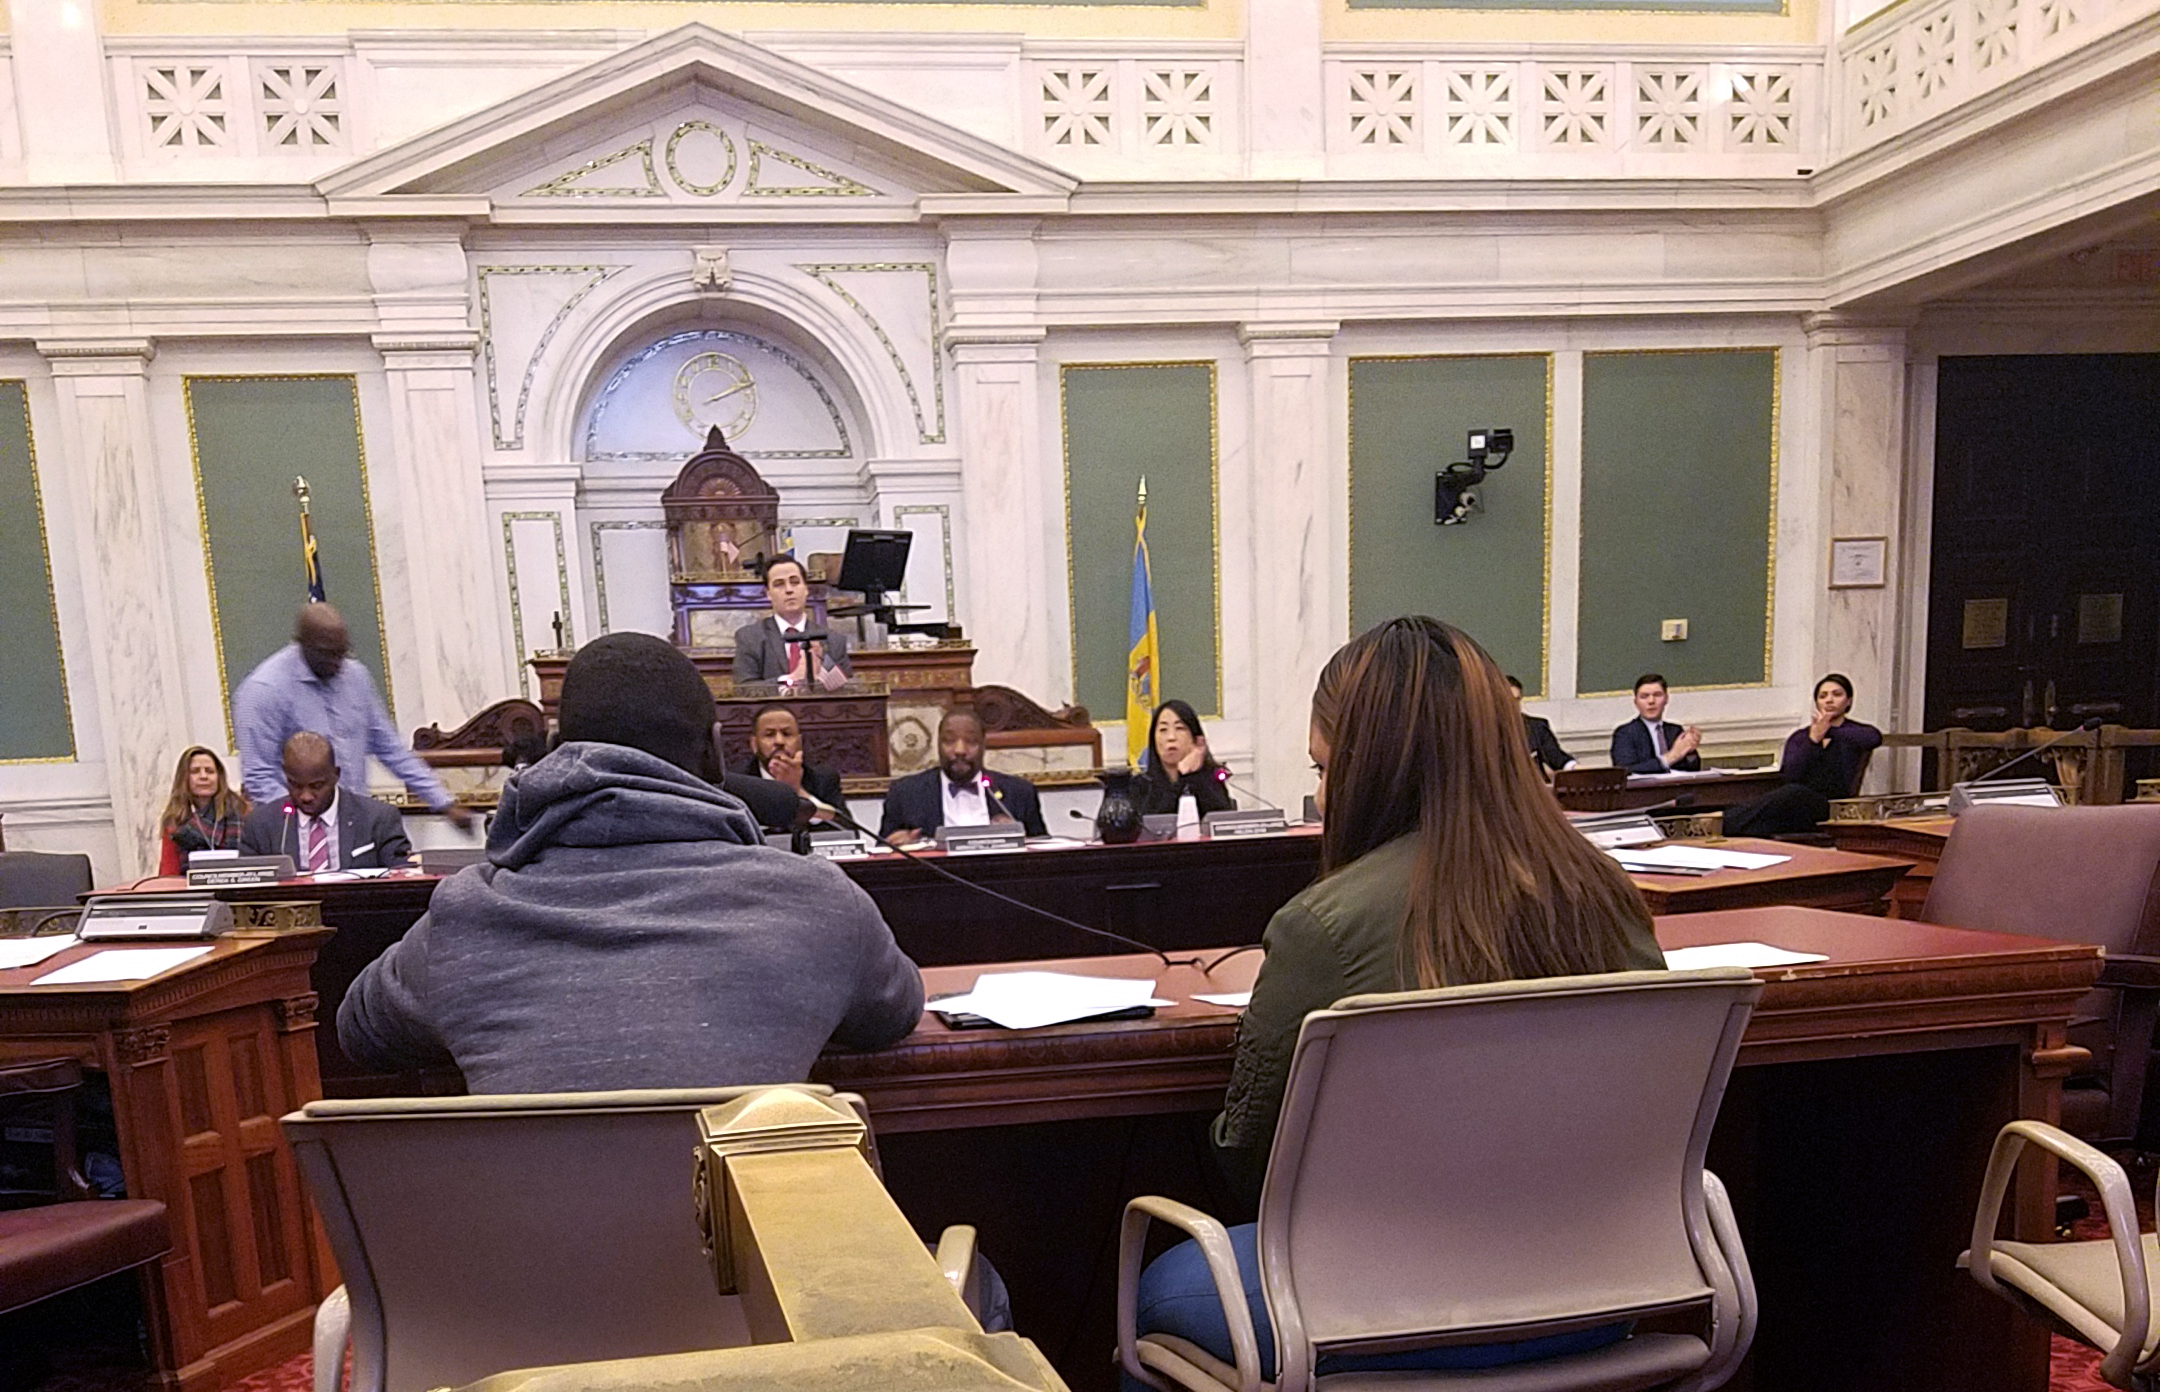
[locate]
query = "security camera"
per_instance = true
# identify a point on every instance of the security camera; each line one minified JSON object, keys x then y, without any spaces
{"x":1454,"y":498}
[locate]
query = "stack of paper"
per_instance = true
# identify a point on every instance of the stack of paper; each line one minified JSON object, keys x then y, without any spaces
{"x":1032,"y":999}
{"x":121,"y":964}
{"x":28,"y":952}
{"x":1689,"y":860}
{"x":1740,"y":954}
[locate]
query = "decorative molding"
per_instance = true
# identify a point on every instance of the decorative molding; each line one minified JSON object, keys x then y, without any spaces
{"x":616,"y":379}
{"x":300,"y":105}
{"x":297,"y":1013}
{"x":1134,"y":105}
{"x":517,"y":609}
{"x":594,"y":276}
{"x":833,"y":185}
{"x":674,"y":169}
{"x":138,"y":1047}
{"x":1575,"y":106}
{"x":943,"y":511}
{"x":1178,"y":106}
{"x":52,"y":610}
{"x":599,"y":559}
{"x":1383,"y":106}
{"x":570,"y":185}
{"x":928,"y":431}
{"x":1076,"y":104}
{"x":186,"y":105}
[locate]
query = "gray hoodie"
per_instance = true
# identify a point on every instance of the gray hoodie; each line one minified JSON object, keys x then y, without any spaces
{"x":630,"y":929}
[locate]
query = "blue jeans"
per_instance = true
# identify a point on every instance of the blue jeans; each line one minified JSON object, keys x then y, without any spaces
{"x":1177,"y":1297}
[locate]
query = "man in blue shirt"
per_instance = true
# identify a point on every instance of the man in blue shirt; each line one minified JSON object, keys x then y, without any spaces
{"x":310,"y":684}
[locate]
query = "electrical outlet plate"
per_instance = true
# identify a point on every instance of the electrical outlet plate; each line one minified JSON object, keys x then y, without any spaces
{"x":1673,"y":631}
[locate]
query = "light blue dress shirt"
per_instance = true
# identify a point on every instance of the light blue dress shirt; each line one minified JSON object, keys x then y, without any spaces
{"x":283,"y":696}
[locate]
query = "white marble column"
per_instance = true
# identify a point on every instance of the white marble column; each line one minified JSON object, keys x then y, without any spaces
{"x":1285,"y":105}
{"x":1300,"y":570}
{"x":443,"y":621}
{"x":1857,"y":377}
{"x":60,"y":97}
{"x":123,"y":519}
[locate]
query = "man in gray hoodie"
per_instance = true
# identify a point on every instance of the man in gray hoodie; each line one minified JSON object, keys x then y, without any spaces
{"x":629,"y":927}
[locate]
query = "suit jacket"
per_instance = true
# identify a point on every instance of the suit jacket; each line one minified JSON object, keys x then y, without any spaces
{"x":918,"y":801}
{"x":761,"y":656}
{"x":820,"y":783}
{"x":1544,"y":745}
{"x":371,"y":834}
{"x":1632,"y":750}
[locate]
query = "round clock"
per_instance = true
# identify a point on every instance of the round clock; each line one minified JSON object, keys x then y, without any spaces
{"x":715,"y":389}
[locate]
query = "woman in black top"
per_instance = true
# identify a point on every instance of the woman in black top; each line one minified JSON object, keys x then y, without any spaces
{"x":1178,"y":762}
{"x":1824,"y":759}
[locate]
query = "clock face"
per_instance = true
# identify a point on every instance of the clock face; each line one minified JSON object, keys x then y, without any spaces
{"x":715,"y":389}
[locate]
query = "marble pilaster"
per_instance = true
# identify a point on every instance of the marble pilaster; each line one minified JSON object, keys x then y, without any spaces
{"x":1285,"y":106}
{"x":60,"y":97}
{"x":128,"y":577}
{"x":1857,"y":374}
{"x":1298,"y":566}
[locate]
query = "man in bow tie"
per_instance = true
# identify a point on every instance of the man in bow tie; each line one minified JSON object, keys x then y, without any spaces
{"x":959,"y":791}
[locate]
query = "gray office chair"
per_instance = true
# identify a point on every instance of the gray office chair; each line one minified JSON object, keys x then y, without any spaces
{"x":32,"y":878}
{"x":2097,"y":1291}
{"x":1486,"y":1164}
{"x":478,"y":1234}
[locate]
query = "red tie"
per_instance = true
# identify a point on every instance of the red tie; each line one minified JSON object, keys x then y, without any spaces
{"x":318,"y":846}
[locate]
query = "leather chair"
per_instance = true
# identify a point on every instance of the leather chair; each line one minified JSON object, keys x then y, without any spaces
{"x":56,"y":1247}
{"x":482,"y":1233}
{"x":31,"y":878}
{"x":2098,"y":1291}
{"x":1590,"y":790}
{"x":1480,"y":1165}
{"x":2075,"y":874}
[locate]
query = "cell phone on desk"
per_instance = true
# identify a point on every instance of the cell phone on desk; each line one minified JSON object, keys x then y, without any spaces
{"x":962,"y":1020}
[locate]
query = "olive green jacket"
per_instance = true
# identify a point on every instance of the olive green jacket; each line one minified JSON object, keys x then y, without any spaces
{"x":1339,"y":938}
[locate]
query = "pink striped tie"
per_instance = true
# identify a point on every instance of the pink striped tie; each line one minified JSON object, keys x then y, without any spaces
{"x":318,"y":846}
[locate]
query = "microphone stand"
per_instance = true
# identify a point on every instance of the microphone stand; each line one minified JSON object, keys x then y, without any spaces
{"x":2090,"y":725}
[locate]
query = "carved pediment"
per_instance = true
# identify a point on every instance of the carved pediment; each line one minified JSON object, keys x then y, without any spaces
{"x":694,"y":118}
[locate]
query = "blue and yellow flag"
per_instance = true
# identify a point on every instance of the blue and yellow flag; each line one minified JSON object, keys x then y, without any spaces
{"x":1143,"y":663}
{"x":308,"y":556}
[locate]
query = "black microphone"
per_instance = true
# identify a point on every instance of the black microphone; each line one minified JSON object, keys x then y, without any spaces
{"x":1222,"y":775}
{"x":841,"y":816}
{"x":2088,"y":727}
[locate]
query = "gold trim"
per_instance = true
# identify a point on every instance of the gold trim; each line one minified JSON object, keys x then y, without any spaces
{"x":560,"y":185}
{"x":1350,"y":484}
{"x":675,"y":172}
{"x":943,"y":512}
{"x":52,"y":592}
{"x":562,"y":590}
{"x":1072,"y":614}
{"x":838,"y":185}
{"x":823,"y":273}
{"x":202,"y":515}
{"x":599,"y":561}
{"x":1777,"y":390}
{"x":599,"y":275}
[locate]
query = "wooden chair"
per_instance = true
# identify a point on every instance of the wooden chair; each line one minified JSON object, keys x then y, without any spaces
{"x":1590,"y":790}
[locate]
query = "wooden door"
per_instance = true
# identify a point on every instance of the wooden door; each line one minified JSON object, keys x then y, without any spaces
{"x":2044,"y":591}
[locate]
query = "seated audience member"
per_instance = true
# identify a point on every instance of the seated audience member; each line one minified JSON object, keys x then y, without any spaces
{"x":1444,"y":862}
{"x":629,"y":927}
{"x":1824,"y":759}
{"x":204,"y":812}
{"x":1545,"y":750}
{"x":321,"y":825}
{"x":764,"y":651}
{"x":959,"y":791}
{"x":1178,"y":762}
{"x":1653,"y":744}
{"x":776,"y":752}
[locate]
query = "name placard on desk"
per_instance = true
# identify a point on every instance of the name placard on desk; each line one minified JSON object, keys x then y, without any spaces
{"x":239,"y":870}
{"x":998,"y":836}
{"x":1258,"y":821}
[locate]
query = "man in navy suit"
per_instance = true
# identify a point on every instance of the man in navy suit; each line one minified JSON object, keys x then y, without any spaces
{"x":1653,"y":744}
{"x":959,"y":791}
{"x":320,"y":825}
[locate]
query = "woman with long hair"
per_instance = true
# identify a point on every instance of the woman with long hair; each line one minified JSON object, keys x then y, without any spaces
{"x":1179,"y":762}
{"x":1444,"y":861}
{"x":203,"y":814}
{"x":1824,"y":759}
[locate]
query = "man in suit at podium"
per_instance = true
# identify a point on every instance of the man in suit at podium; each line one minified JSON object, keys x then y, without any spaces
{"x":959,"y":791}
{"x":764,"y":651}
{"x":320,"y":825}
{"x":1651,"y":743}
{"x":1545,"y":750}
{"x":776,"y":753}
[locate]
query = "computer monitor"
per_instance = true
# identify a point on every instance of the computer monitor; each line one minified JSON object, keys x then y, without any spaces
{"x":875,"y":563}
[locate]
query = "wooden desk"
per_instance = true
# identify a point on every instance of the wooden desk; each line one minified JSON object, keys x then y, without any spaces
{"x":1709,"y":792}
{"x":1810,"y":875}
{"x":1917,"y":839}
{"x":202,"y":1062}
{"x":1853,"y":1138}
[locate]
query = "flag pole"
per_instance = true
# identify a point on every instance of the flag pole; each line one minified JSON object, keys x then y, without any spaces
{"x":311,"y":563}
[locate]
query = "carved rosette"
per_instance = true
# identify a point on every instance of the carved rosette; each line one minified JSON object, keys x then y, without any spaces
{"x":297,"y":1012}
{"x":137,"y":1047}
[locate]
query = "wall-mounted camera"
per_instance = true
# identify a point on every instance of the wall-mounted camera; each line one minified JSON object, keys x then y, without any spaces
{"x":1455,"y":487}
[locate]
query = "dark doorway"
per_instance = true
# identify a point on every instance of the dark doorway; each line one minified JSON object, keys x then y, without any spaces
{"x":2044,"y":590}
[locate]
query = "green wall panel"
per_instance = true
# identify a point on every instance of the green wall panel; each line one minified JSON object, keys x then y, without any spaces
{"x":1156,"y":419}
{"x":34,"y":720}
{"x":1408,"y":417}
{"x":252,"y":435}
{"x":1679,"y":467}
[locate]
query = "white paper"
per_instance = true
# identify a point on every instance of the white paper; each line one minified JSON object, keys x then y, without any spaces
{"x":1239,"y":999}
{"x":1694,"y":858}
{"x":121,"y":964}
{"x":28,"y":952}
{"x":1739,"y":954}
{"x":1032,"y":999}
